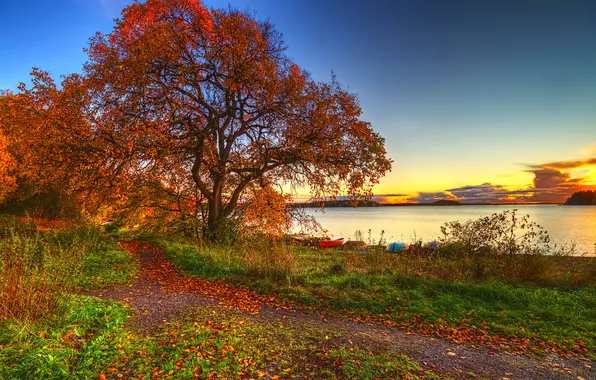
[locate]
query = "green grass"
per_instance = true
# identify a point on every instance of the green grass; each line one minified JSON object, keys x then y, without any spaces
{"x":104,"y":262}
{"x":361,"y":364}
{"x":51,"y":333}
{"x":357,"y":286}
{"x":106,"y":265}
{"x":38,"y":268}
{"x":73,"y":345}
{"x":92,"y":340}
{"x":85,"y":337}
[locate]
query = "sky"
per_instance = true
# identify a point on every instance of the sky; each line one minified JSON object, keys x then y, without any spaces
{"x":479,"y":101}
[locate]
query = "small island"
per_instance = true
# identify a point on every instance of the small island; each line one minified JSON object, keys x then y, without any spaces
{"x":582,"y":198}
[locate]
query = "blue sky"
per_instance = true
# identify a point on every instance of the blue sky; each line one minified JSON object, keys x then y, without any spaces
{"x":481,"y":94}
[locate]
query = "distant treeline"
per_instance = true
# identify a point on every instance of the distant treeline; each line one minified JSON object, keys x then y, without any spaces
{"x":337,"y":203}
{"x":582,"y":198}
{"x":349,"y":203}
{"x":445,"y":202}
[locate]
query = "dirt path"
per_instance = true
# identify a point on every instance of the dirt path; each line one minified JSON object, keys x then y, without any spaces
{"x":160,"y":292}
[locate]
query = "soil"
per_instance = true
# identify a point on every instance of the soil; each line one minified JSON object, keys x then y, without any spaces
{"x":156,"y":301}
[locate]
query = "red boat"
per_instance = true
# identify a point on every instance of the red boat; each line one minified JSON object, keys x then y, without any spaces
{"x":331,"y":243}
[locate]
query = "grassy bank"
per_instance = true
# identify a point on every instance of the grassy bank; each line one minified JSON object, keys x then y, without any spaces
{"x":76,"y":342}
{"x":45,"y":331}
{"x":409,"y":291}
{"x":37,"y":269}
{"x":77,"y":336}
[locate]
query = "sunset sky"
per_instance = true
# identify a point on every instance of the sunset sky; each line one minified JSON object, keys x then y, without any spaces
{"x":481,"y":101}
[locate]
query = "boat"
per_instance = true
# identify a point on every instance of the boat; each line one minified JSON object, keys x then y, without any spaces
{"x":299,"y":239}
{"x":331,"y":243}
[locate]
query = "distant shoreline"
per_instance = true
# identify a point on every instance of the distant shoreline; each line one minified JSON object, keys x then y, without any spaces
{"x":466,"y":204}
{"x":375,"y":204}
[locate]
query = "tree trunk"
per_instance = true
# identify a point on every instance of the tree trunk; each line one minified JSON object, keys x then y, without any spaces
{"x":213,"y":221}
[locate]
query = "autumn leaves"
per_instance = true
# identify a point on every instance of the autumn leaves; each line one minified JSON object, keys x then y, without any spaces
{"x":187,"y":111}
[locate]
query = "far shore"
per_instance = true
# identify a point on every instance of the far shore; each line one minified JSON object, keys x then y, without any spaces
{"x":375,"y":204}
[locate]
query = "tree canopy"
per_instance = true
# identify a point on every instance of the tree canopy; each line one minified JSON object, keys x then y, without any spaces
{"x":188,"y":109}
{"x":582,"y":198}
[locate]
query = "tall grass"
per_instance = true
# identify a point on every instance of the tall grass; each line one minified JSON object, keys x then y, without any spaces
{"x":265,"y":258}
{"x":37,"y":269}
{"x":34,"y":273}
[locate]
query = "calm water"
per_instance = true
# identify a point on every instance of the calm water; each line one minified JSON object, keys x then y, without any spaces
{"x":563,"y":223}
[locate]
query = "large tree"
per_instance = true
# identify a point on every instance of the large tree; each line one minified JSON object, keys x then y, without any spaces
{"x":212,"y":93}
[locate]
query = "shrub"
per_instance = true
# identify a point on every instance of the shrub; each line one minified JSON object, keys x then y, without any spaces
{"x":502,"y":233}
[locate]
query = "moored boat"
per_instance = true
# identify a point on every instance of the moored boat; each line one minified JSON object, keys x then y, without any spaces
{"x":331,"y":243}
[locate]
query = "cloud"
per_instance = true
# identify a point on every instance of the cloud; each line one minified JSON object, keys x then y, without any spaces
{"x":562,"y":165}
{"x":431,"y":197}
{"x":477,"y":192}
{"x":390,"y":198}
{"x":490,"y":193}
{"x":483,"y":193}
{"x":549,"y":178}
{"x":551,"y":184}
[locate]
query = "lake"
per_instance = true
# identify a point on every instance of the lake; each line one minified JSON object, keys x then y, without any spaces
{"x":565,"y":224}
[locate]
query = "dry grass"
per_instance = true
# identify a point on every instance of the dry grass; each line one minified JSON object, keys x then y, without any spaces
{"x":269,"y":258}
{"x":34,"y":272}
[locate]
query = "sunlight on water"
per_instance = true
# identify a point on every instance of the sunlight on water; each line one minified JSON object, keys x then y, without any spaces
{"x":565,"y":224}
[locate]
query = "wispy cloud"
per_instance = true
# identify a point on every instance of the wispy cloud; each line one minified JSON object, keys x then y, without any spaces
{"x":429,"y":197}
{"x":570,"y":164}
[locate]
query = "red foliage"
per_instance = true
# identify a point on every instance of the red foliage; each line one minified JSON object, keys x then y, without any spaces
{"x":212,"y":93}
{"x":7,"y":180}
{"x":267,"y":212}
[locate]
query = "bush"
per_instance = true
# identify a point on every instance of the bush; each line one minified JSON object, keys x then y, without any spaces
{"x":502,"y":233}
